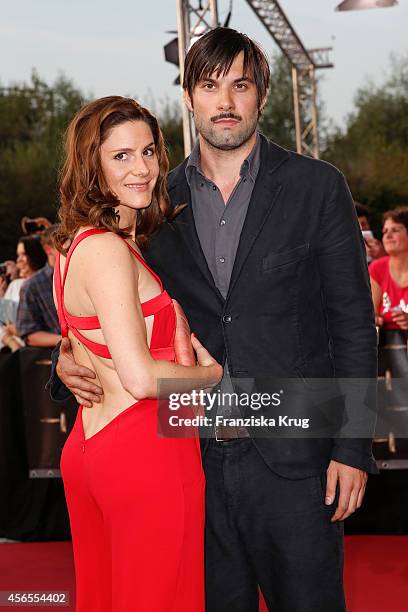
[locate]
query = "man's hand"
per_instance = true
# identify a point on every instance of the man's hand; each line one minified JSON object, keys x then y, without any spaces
{"x":352,"y":483}
{"x":75,"y":377}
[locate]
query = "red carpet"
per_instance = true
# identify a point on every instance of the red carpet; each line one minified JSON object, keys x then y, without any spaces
{"x":376,"y":574}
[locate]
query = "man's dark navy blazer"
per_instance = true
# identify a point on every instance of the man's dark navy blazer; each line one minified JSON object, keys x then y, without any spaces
{"x":299,"y":302}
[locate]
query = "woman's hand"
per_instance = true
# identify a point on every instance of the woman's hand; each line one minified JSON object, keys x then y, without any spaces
{"x":379,"y":320}
{"x":11,"y":329}
{"x":374,"y":248}
{"x":401,"y":319}
{"x":182,"y":341}
{"x":11,"y":269}
{"x":3,"y":286}
{"x":205,"y":359}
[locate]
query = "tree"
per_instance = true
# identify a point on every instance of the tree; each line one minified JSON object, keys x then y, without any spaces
{"x":33,"y":118}
{"x":372,"y":150}
{"x":170,"y":121}
{"x":278,"y":121}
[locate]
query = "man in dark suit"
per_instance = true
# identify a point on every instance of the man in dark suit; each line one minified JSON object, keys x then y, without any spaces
{"x":268,"y":263}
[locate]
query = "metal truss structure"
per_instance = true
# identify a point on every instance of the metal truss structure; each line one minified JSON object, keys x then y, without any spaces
{"x":304,"y":65}
{"x":196,"y":17}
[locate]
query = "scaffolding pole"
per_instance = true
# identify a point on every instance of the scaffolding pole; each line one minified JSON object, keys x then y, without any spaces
{"x":304,"y":65}
{"x":194,"y":18}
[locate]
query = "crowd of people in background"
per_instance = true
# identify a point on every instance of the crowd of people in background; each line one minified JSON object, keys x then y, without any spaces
{"x":27,"y":281}
{"x":26,"y":294}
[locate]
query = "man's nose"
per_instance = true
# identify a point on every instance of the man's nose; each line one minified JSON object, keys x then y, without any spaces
{"x":225,"y":100}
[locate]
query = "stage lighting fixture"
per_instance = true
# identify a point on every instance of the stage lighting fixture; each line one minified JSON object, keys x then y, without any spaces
{"x":358,"y":5}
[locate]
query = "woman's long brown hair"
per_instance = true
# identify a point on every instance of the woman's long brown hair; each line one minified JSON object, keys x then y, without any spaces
{"x":85,"y":195}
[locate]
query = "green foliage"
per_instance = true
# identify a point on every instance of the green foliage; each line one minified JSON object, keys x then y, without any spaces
{"x":33,"y":118}
{"x":277,"y":122}
{"x":372,"y":150}
{"x":170,"y":121}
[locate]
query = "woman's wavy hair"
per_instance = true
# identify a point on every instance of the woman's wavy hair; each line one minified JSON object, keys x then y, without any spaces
{"x":85,"y":195}
{"x":398,"y":215}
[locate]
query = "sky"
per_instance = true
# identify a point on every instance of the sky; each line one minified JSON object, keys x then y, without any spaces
{"x":110,"y":47}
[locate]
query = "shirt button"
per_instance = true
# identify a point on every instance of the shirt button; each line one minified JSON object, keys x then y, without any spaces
{"x":214,"y":188}
{"x":222,"y":222}
{"x":201,"y":184}
{"x":227,"y":319}
{"x":222,"y":259}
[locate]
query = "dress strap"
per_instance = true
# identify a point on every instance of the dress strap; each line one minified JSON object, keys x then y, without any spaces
{"x":58,"y":293}
{"x":144,"y":264}
{"x":76,"y":241}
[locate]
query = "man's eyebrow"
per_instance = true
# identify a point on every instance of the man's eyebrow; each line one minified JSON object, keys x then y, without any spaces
{"x":239,"y":80}
{"x":129,"y":150}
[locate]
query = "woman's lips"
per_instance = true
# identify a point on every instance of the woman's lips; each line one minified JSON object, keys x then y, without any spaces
{"x":137,"y":186}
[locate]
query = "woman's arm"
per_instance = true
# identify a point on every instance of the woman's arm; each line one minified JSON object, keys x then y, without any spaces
{"x":376,"y":293}
{"x":111,"y":281}
{"x":42,"y":338}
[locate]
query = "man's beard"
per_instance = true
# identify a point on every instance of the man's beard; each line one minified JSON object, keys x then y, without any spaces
{"x":226,"y":140}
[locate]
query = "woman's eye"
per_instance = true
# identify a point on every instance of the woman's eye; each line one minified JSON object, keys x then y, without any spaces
{"x":121,"y":156}
{"x":149,"y":152}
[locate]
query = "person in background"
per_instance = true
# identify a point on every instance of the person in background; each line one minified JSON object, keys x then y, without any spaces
{"x":37,"y":320}
{"x":30,"y":258}
{"x":374,"y":247}
{"x":389,"y":274}
{"x":8,"y":273}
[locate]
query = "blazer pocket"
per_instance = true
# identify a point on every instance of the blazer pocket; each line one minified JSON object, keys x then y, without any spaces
{"x":275,"y":260}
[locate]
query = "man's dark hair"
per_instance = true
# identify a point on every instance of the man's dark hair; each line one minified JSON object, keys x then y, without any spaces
{"x":215,"y":52}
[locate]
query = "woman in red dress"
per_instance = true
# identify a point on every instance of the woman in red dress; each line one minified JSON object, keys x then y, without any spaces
{"x":389,"y":275}
{"x":135,"y":500}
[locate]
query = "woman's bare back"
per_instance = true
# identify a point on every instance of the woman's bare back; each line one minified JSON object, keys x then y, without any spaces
{"x":78,"y":303}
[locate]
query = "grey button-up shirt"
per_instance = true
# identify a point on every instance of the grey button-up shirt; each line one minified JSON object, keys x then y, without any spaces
{"x":219,"y":227}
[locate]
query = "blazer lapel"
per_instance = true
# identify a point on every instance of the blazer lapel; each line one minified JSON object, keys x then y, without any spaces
{"x":264,"y":196}
{"x":179,"y":192}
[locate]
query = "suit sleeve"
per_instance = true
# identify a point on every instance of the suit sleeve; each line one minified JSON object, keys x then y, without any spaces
{"x":57,"y":390}
{"x":350,"y":322}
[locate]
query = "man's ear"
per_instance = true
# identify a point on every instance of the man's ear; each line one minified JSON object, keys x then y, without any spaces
{"x":187,"y":101}
{"x":263,"y":103}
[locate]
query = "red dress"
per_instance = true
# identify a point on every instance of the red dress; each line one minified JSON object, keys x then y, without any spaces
{"x":394,"y":297}
{"x":135,"y":500}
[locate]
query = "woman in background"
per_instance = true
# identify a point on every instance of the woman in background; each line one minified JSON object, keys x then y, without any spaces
{"x":389,"y":275}
{"x":31,"y":257}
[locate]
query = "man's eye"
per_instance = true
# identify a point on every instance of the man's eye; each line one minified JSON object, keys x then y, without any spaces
{"x":208,"y":85}
{"x":149,"y":152}
{"x":241,"y":86}
{"x":121,"y":156}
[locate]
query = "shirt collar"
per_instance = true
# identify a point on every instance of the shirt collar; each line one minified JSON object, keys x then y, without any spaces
{"x":250,"y":165}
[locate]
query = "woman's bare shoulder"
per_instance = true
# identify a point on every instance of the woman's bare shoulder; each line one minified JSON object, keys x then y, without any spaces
{"x":106,"y":247}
